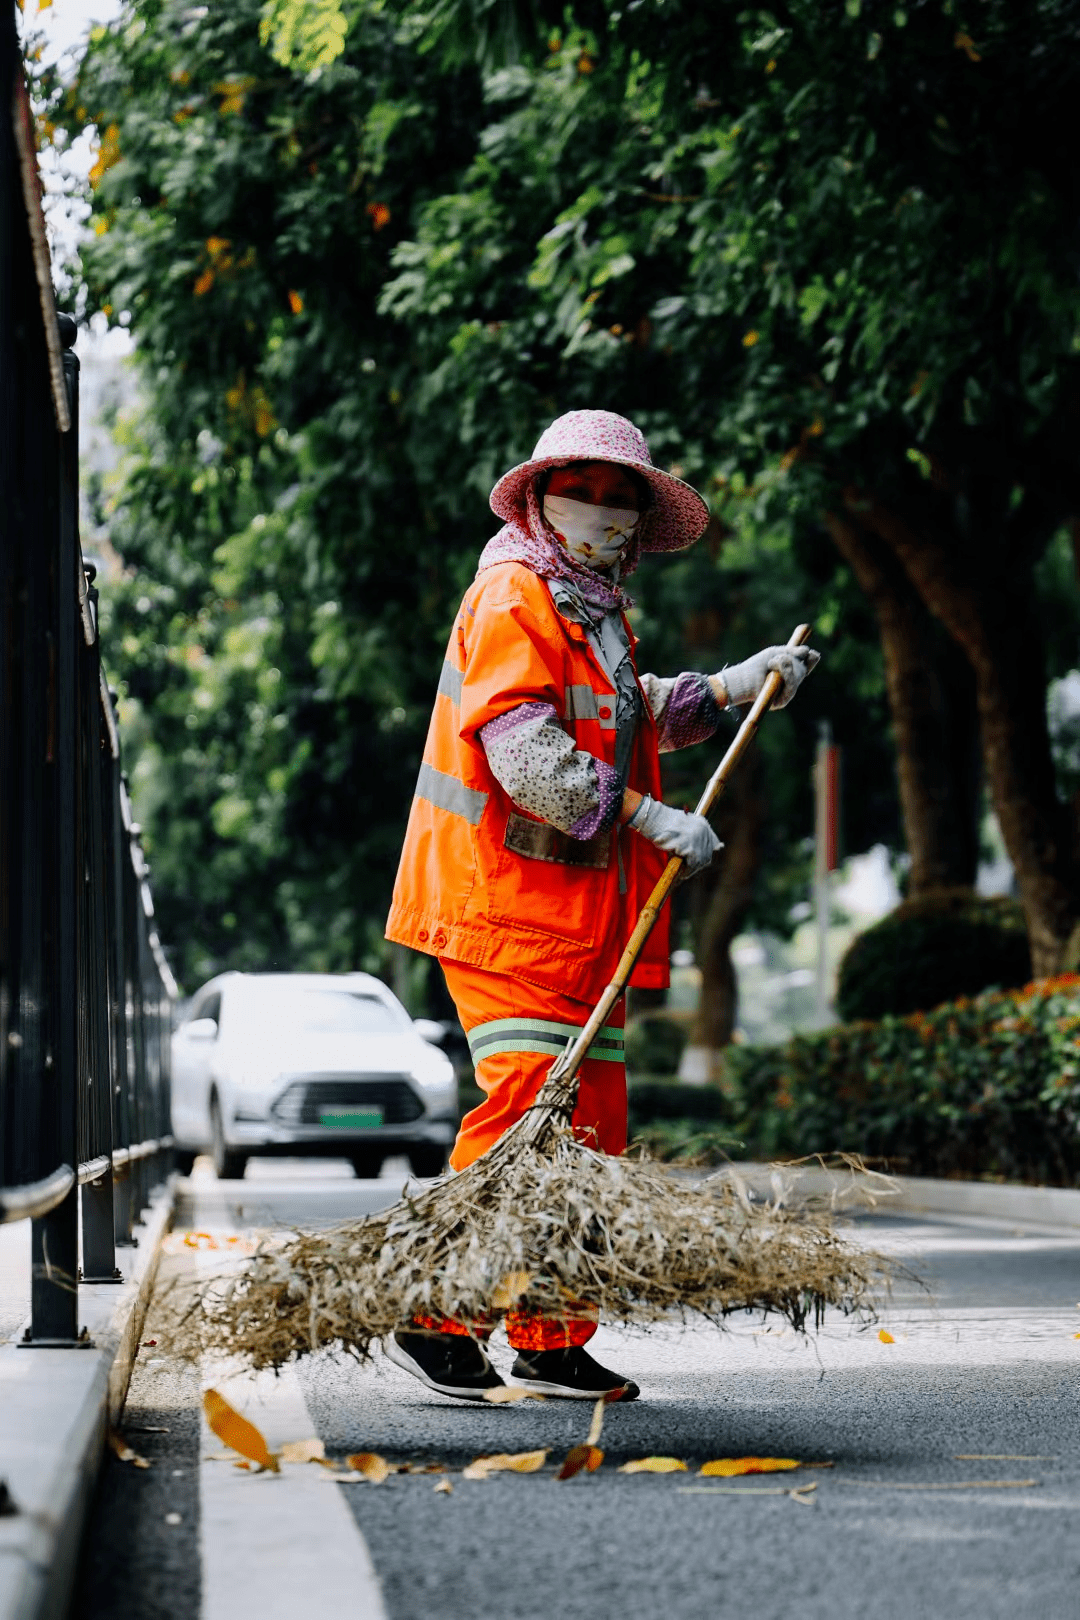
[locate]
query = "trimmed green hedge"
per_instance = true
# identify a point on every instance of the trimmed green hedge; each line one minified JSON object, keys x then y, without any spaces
{"x":935,"y":948}
{"x":654,"y":1046}
{"x":984,"y":1087}
{"x":987,"y":1087}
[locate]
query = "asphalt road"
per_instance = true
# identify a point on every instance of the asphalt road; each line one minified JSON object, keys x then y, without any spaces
{"x":916,"y":1516}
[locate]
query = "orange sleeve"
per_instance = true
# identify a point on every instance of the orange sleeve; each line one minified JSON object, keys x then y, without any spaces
{"x":511,"y":656}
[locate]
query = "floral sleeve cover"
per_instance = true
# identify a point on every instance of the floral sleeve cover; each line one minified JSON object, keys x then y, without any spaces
{"x":534,"y":760}
{"x":684,"y":708}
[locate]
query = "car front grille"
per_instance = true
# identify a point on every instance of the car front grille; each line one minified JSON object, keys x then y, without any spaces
{"x":305,"y":1100}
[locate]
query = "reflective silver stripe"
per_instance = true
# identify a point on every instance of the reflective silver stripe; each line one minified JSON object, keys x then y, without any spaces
{"x":450,"y":680}
{"x":450,"y":794}
{"x":582,"y":703}
{"x":539,"y":1035}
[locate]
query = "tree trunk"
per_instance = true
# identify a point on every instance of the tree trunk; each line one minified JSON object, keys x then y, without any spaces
{"x":931,"y":694}
{"x":994,"y":619}
{"x":720,"y":911}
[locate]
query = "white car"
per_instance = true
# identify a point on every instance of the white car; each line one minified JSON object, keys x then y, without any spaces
{"x":309,"y":1063}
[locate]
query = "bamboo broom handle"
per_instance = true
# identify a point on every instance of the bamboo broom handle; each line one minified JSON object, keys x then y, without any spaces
{"x":567,"y":1065}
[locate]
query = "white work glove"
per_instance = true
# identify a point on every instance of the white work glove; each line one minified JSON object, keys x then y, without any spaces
{"x":743,"y":682}
{"x":677,"y":831}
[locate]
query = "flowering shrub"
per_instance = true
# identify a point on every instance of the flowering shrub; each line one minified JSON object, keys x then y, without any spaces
{"x":988,"y":1086}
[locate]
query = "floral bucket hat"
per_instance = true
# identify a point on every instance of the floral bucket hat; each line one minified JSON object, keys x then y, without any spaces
{"x":677,"y":515}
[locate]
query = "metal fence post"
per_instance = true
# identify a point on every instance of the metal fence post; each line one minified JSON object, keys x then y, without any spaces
{"x":96,"y":1055}
{"x":54,"y":1305}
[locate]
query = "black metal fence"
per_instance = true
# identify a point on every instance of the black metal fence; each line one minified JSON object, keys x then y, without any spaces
{"x":85,"y":993}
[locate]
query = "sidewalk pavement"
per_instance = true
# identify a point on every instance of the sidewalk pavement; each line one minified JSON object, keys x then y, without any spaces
{"x":55,"y":1406}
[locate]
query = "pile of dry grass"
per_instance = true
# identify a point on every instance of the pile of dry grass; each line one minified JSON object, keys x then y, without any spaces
{"x":541,"y":1221}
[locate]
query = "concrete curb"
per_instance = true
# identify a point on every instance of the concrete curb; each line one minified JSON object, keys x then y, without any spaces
{"x":55,"y":1406}
{"x":1009,"y":1203}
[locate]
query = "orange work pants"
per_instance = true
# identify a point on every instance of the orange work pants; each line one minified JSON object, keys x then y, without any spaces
{"x":516,"y":1031}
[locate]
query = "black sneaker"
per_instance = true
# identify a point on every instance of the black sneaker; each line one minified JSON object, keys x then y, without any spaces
{"x":452,"y":1363}
{"x":572,"y":1373}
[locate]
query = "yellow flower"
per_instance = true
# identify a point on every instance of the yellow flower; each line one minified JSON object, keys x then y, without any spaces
{"x":108,"y":154}
{"x":265,"y":420}
{"x":233,"y":93}
{"x":750,"y":339}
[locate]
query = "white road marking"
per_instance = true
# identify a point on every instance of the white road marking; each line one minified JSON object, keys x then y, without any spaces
{"x":275,"y":1546}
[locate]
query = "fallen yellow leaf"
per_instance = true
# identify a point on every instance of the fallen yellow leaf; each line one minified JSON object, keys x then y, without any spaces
{"x":653,"y":1465}
{"x":444,"y":1488}
{"x":513,"y":1462}
{"x":580,"y":1459}
{"x":303,"y":1451}
{"x":510,"y":1290}
{"x":370,"y":1464}
{"x":597,"y":1423}
{"x":236,"y":1431}
{"x":885,"y":1336}
{"x":727,"y":1467}
{"x":504,"y":1394}
{"x":119,"y":1445}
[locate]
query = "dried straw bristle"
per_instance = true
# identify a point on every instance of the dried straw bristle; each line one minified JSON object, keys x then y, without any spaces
{"x":546,"y":1222}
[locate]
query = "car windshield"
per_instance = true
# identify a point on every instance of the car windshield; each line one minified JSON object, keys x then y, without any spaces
{"x":324,"y":1012}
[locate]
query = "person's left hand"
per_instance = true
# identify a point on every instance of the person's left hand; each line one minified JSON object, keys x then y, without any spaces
{"x":743,"y":682}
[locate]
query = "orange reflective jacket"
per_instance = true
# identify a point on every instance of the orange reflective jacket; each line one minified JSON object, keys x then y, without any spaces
{"x":481,"y":881}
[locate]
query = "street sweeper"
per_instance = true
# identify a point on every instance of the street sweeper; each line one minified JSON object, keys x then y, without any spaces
{"x":538,"y":827}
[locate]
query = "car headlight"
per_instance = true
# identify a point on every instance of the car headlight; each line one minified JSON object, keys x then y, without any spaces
{"x":439,"y":1073}
{"x":253,"y":1090}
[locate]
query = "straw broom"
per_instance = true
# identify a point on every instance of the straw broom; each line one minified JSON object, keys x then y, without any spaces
{"x":542,"y":1221}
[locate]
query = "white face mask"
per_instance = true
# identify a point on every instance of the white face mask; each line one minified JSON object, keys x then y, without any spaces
{"x":593,"y":535}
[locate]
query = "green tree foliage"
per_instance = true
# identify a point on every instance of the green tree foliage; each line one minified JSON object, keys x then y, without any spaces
{"x":824,"y":259}
{"x":289,"y":587}
{"x":305,"y":34}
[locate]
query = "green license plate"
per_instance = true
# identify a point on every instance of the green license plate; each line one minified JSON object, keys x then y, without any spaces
{"x":347,"y":1119}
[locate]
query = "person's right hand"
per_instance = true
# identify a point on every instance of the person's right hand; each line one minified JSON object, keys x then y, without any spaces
{"x":680,"y":832}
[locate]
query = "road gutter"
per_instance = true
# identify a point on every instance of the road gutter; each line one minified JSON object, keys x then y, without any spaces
{"x":278,"y":1545}
{"x":55,"y":1406}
